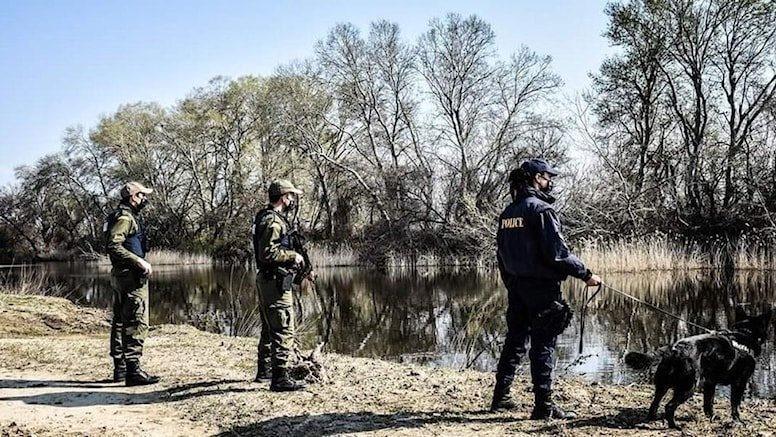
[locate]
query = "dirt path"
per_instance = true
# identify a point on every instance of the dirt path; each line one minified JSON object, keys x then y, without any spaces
{"x":50,"y":404}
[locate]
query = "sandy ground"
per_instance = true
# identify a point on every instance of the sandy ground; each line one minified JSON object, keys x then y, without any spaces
{"x":53,"y":383}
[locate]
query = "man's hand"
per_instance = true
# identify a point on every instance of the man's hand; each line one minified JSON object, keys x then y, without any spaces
{"x":593,"y":281}
{"x":298,"y":260}
{"x":145,"y":266}
{"x":312,"y":275}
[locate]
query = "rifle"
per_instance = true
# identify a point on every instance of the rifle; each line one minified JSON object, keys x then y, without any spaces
{"x":298,"y":243}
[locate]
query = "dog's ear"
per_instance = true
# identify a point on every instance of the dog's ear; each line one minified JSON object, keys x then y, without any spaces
{"x":763,"y":321}
{"x":741,"y":314}
{"x":767,"y":316}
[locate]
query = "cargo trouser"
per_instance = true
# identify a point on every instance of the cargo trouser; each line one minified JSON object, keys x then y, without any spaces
{"x":129,"y":328}
{"x":527,"y":297}
{"x":276,"y":305}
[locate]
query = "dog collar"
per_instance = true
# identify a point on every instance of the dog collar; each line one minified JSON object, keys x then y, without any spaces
{"x":741,"y":347}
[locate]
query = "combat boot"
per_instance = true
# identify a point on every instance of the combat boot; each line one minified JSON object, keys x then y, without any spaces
{"x":263,"y":372}
{"x":281,"y":381}
{"x":502,"y":399}
{"x":119,"y":370}
{"x":545,"y":408}
{"x":138,"y":376}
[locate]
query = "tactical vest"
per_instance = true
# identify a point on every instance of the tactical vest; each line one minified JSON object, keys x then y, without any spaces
{"x":136,"y":243}
{"x":257,"y":229}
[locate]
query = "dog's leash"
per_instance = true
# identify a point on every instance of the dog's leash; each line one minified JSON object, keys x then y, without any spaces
{"x":583,"y":316}
{"x":658,"y":309}
{"x":635,"y":299}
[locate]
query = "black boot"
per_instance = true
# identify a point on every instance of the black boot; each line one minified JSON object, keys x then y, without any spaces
{"x":119,"y":370}
{"x":545,"y":408}
{"x":138,"y":376}
{"x":282,"y":382}
{"x":502,"y":399}
{"x":263,"y":372}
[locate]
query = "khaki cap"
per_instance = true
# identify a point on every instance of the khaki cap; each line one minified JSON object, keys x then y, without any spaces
{"x":280,"y":187}
{"x":131,"y":188}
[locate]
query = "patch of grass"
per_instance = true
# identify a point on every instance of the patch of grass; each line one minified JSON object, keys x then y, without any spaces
{"x":31,"y":316}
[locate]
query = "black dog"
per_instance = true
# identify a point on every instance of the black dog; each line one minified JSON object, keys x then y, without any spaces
{"x":707,"y":360}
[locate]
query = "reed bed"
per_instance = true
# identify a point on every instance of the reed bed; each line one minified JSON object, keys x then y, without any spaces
{"x":29,"y":282}
{"x":636,"y":254}
{"x":753,"y":255}
{"x":399,"y":261}
{"x":322,"y":255}
{"x":664,"y":253}
{"x":644,"y":254}
{"x":652,"y":253}
{"x":164,"y":257}
{"x":174,"y":257}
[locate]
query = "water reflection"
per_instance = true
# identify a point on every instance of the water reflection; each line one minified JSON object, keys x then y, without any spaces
{"x":449,"y":317}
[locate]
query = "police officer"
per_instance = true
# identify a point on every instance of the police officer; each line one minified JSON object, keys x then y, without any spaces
{"x":533,"y":260}
{"x":127,"y":245}
{"x":276,"y":264}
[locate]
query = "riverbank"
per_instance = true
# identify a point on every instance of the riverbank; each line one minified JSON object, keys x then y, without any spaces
{"x":624,"y":255}
{"x":52,"y":382}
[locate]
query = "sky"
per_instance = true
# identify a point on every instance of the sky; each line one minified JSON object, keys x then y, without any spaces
{"x":70,"y":63}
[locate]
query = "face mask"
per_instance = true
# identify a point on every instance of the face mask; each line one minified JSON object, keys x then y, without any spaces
{"x":547,"y":188}
{"x":143,"y":203}
{"x":291,"y":203}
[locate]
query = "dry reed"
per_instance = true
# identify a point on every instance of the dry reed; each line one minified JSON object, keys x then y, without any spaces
{"x":663,"y":253}
{"x":165,"y":257}
{"x":645,"y":254}
{"x":29,"y":281}
{"x":651,"y":253}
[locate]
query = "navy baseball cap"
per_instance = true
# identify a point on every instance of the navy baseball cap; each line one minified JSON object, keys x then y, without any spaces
{"x":536,"y":165}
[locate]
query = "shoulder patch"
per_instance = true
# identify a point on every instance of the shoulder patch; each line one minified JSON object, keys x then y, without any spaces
{"x":269,"y":219}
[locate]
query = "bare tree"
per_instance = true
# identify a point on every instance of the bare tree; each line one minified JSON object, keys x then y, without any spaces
{"x":746,"y":66}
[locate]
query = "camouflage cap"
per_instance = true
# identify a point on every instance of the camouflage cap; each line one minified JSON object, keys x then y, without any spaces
{"x":282,"y":186}
{"x":131,"y":188}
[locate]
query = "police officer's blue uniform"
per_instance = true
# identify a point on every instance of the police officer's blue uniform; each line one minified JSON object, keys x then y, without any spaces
{"x":533,"y":259}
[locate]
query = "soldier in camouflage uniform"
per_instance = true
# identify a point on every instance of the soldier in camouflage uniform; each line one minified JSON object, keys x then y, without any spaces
{"x":127,"y":245}
{"x":276,"y":264}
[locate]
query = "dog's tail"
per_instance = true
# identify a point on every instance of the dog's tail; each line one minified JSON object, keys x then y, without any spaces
{"x":639,"y":360}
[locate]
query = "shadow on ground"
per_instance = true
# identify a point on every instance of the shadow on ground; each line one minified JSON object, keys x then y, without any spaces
{"x":27,"y":383}
{"x":304,"y":425}
{"x":627,"y":418}
{"x":86,"y":398}
{"x":346,"y":423}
